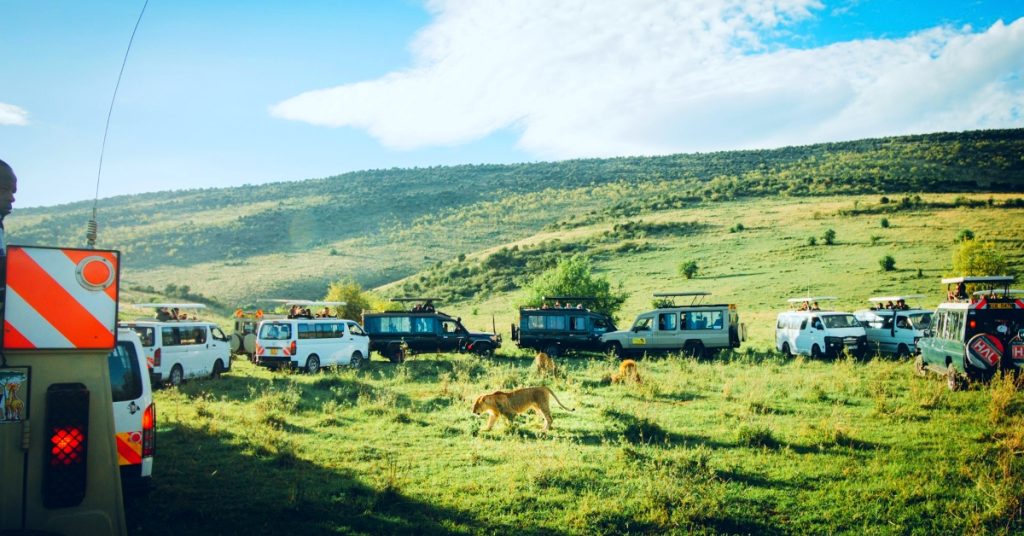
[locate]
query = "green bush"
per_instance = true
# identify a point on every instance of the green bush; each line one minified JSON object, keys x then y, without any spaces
{"x":812,"y":241}
{"x":829,"y":237}
{"x":688,"y":269}
{"x":885,"y":223}
{"x":888,"y":263}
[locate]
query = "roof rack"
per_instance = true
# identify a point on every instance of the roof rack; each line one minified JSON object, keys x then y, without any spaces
{"x":568,"y":298}
{"x":905,"y":297}
{"x":415,"y":299}
{"x":313,"y":303}
{"x":812,"y":299}
{"x":697,"y":295}
{"x":975,"y":279}
{"x":169,"y":305}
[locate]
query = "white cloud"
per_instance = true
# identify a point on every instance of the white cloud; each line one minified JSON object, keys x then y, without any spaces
{"x":12,"y":115}
{"x":586,"y":78}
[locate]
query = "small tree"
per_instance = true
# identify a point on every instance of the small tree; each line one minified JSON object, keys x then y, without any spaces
{"x":888,"y":263}
{"x":812,"y":241}
{"x":688,"y":269}
{"x":356,"y":299}
{"x":829,"y":237}
{"x":978,"y":258}
{"x":574,"y":277}
{"x":965,"y":234}
{"x":885,"y":223}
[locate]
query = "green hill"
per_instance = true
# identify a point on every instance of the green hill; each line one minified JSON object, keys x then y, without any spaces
{"x":234,"y":245}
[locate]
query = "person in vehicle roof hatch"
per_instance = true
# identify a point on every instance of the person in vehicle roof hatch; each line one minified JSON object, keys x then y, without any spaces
{"x":8,"y":187}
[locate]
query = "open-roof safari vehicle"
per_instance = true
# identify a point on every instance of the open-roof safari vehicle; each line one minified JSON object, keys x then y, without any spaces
{"x":243,"y":339}
{"x":893,"y":325}
{"x":310,"y":339}
{"x":179,"y":346}
{"x":421,"y":328}
{"x":808,"y":329}
{"x":561,"y":324}
{"x":976,"y":332}
{"x":695,"y":329}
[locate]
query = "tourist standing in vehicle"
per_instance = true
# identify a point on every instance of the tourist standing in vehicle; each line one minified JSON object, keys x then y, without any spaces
{"x":8,"y":186}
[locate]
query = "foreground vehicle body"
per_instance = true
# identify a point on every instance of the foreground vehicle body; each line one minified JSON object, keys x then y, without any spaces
{"x":134,"y":411}
{"x":696,"y":329}
{"x":974,"y":336}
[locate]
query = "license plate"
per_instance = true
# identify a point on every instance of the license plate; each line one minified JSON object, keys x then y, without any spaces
{"x":273,"y":351}
{"x":1000,"y":306}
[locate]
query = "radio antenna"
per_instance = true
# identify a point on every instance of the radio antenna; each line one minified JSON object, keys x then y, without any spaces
{"x":91,"y":227}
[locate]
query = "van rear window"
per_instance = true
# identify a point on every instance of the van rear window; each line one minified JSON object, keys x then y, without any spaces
{"x":125,"y":376}
{"x":275,"y":332}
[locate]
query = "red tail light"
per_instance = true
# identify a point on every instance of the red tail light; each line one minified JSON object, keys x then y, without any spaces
{"x":259,"y":350}
{"x":149,"y":431}
{"x":156,"y":358}
{"x":294,"y":348}
{"x":67,"y":424}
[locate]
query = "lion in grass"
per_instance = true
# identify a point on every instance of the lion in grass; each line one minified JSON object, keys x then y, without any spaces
{"x":543,"y":364}
{"x":519,"y":401}
{"x":628,"y":372}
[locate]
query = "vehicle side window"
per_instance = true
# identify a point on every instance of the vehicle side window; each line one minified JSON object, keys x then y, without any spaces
{"x":423,"y":324}
{"x":704,"y":320}
{"x":306,"y":331}
{"x":219,"y":335}
{"x":554,"y":322}
{"x":356,"y":330}
{"x":600,"y":325}
{"x":781,"y":324}
{"x":535,"y":322}
{"x":902,"y":323}
{"x":667,"y":321}
{"x":803,"y":324}
{"x":887,"y":322}
{"x":940,"y":324}
{"x":147,"y":335}
{"x":642,"y":324}
{"x":578,"y":323}
{"x":816,"y":323}
{"x":169,"y":336}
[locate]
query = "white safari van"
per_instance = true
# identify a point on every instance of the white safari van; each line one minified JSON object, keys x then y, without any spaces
{"x":808,"y":330}
{"x":311,"y":343}
{"x":893,"y":326}
{"x":177,"y":350}
{"x":134,"y":411}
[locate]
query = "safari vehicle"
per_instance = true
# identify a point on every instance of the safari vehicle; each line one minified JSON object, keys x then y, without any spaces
{"x":311,"y":343}
{"x":972,"y":336}
{"x":893,"y":326}
{"x":809,"y":330}
{"x":557,"y":326}
{"x":243,"y":339}
{"x":695,"y":329}
{"x":394,"y":333}
{"x":58,"y":458}
{"x":134,"y":410}
{"x":177,"y":350}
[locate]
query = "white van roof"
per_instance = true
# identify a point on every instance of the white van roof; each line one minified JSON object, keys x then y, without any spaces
{"x":170,"y":305}
{"x":312,"y":303}
{"x":674,"y":294}
{"x":812,"y":299}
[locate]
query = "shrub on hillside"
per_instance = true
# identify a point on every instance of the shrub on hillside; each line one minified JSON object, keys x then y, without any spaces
{"x":888,"y":263}
{"x":688,"y":269}
{"x":829,"y":237}
{"x":885,"y":223}
{"x":812,"y":241}
{"x":965,"y":234}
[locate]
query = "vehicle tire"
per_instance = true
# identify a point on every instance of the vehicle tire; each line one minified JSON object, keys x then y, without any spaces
{"x":953,"y":380}
{"x":395,"y":354}
{"x":919,"y":367}
{"x":552,"y":350}
{"x":695,"y":349}
{"x":356,"y":362}
{"x":786,"y":351}
{"x":176,"y":377}
{"x":902,"y":351}
{"x":483,"y":349}
{"x":816,"y":352}
{"x":218,"y":369}
{"x":614,"y":349}
{"x":313,"y":364}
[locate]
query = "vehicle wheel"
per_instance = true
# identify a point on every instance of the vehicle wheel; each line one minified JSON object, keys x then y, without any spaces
{"x":356,"y":362}
{"x":614,"y":349}
{"x":694,"y":349}
{"x":313,"y":364}
{"x":483,"y":349}
{"x":902,"y":351}
{"x":919,"y":368}
{"x":953,"y":380}
{"x":177,"y":376}
{"x":816,"y":352}
{"x":218,"y":369}
{"x":786,"y":351}
{"x":395,"y":354}
{"x":552,"y":350}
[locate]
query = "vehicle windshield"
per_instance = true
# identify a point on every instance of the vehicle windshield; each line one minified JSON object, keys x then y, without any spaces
{"x":840,"y":321}
{"x":920,"y":320}
{"x":276,"y":332}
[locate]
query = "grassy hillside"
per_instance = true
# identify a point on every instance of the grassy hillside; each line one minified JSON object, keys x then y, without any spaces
{"x":745,"y":444}
{"x":233,"y":245}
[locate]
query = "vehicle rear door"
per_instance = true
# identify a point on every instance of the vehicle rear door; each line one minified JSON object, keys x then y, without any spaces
{"x":451,"y":333}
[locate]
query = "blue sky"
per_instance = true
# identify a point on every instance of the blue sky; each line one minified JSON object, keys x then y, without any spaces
{"x":229,"y":93}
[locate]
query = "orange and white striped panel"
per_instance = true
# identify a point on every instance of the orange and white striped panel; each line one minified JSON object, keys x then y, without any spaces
{"x":61,"y":298}
{"x":129,"y":448}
